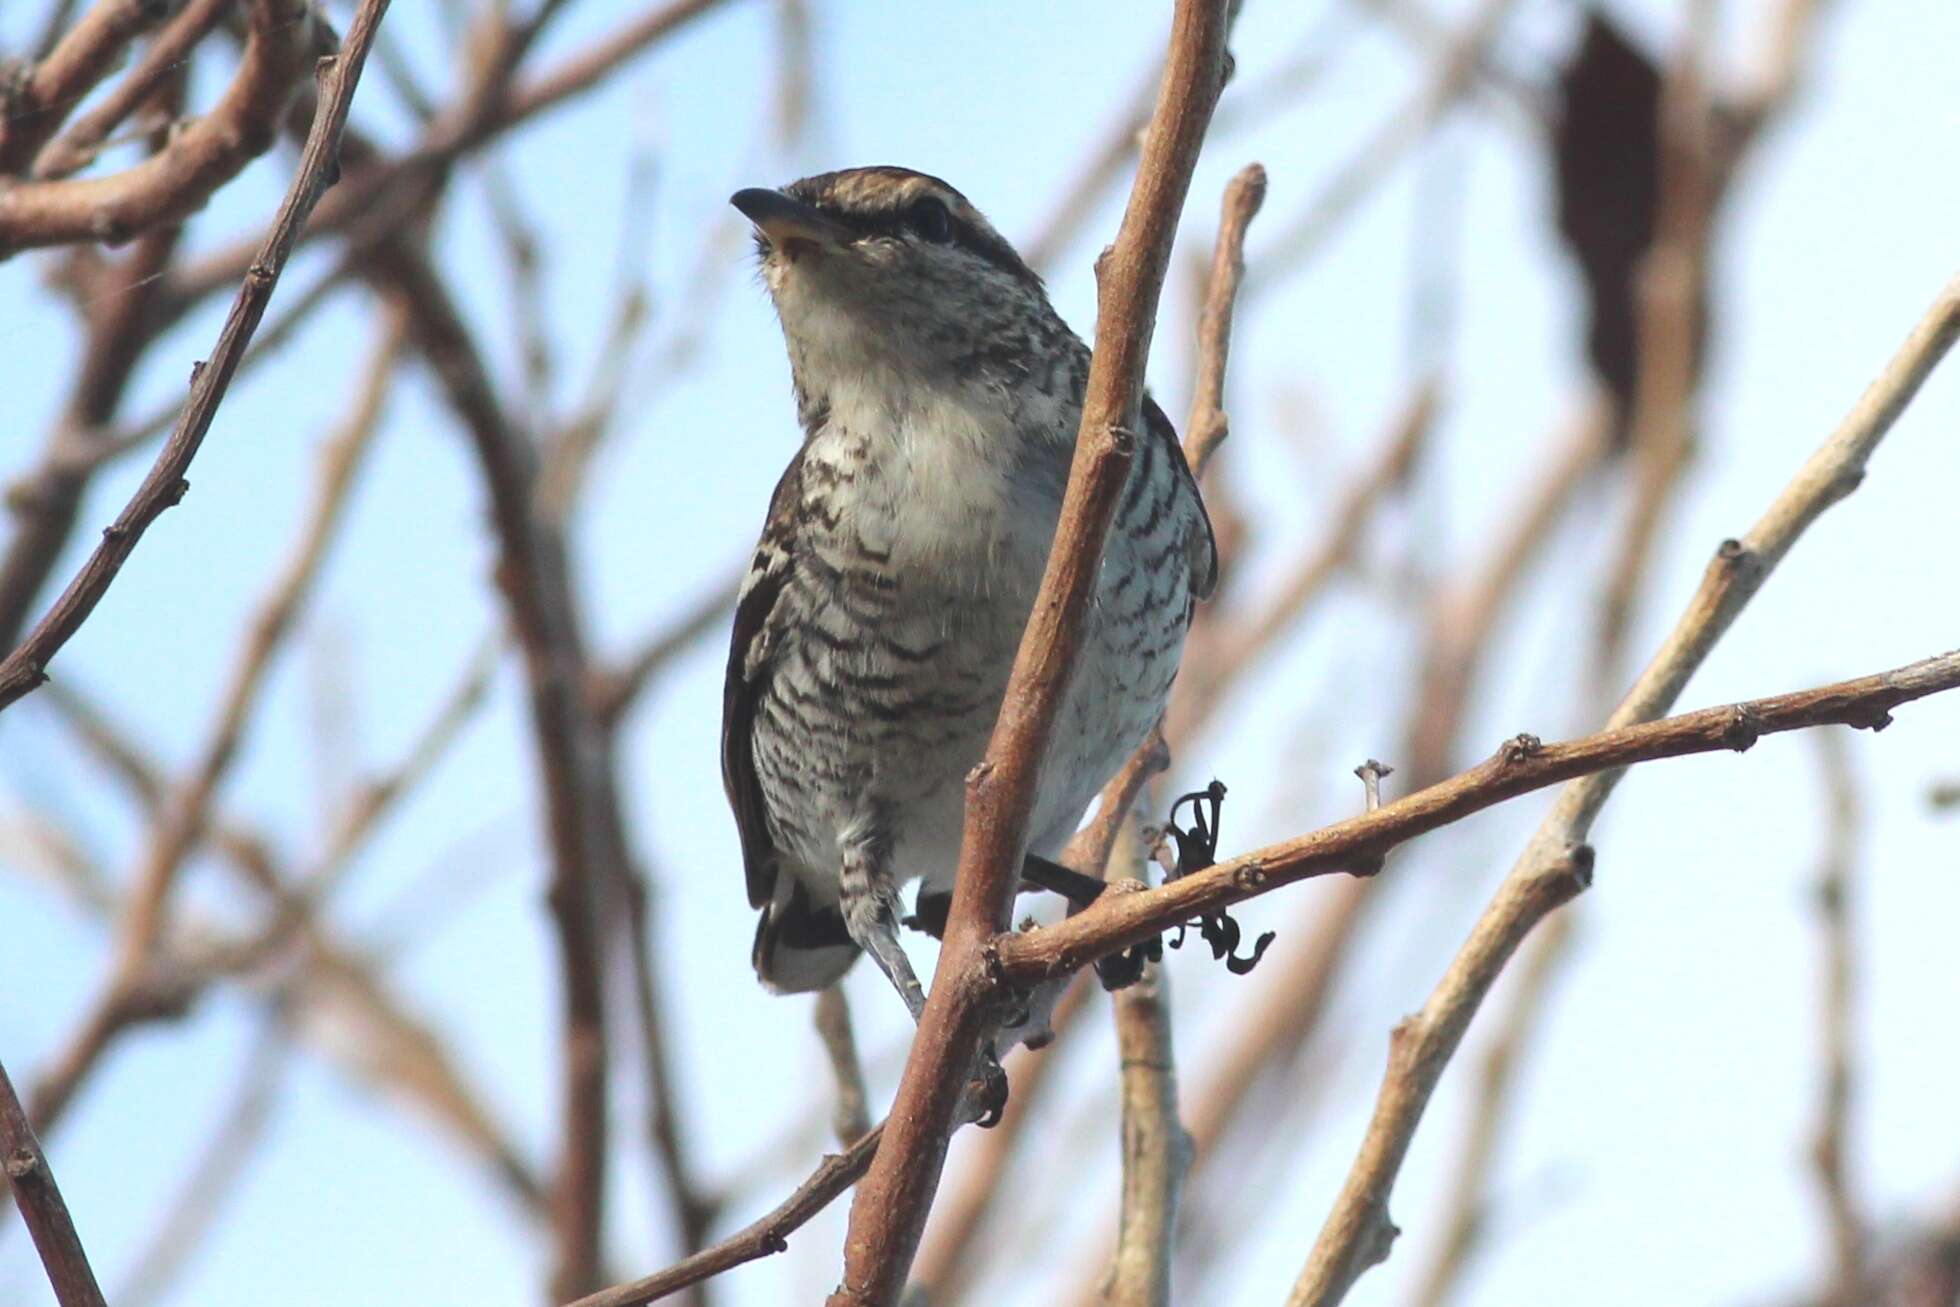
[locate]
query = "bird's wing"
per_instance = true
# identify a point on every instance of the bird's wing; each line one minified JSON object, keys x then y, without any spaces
{"x":750,"y":660}
{"x":1204,"y":554}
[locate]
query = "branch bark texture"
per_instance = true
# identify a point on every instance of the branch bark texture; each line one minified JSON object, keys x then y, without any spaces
{"x":889,"y":1211}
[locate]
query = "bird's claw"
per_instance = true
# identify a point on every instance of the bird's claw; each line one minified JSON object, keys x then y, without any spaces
{"x":985,"y":1099}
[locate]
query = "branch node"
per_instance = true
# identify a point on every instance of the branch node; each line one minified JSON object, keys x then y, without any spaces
{"x":1520,"y":748}
{"x":1251,"y":877}
{"x":20,"y":1164}
{"x":1579,"y":867}
{"x":1743,"y":729}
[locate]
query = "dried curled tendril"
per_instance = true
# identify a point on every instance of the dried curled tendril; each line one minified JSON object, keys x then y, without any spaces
{"x":1197,"y":848}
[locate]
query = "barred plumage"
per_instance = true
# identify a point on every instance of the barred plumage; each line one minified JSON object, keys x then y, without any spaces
{"x":940,"y":396}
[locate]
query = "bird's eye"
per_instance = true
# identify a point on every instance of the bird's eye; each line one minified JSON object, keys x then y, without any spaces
{"x":930,"y":219}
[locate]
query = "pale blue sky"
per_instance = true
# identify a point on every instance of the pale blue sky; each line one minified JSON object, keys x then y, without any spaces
{"x":1658,"y":1156}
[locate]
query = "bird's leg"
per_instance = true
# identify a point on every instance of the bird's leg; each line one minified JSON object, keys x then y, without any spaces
{"x":1072,"y":885}
{"x":870,"y":906}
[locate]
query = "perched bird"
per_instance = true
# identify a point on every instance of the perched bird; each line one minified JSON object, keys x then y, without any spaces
{"x":939,"y":396}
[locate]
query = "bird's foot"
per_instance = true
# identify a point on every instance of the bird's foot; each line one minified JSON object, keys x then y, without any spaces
{"x":985,"y":1097}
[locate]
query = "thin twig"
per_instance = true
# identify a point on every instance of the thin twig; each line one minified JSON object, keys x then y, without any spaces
{"x":1358,"y":1233}
{"x":185,"y":811}
{"x":761,"y":1238}
{"x":41,"y":1207}
{"x":24,"y":668}
{"x":1207,"y":428}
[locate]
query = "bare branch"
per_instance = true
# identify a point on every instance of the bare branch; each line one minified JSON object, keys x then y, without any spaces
{"x":24,"y":668}
{"x":1357,"y":1233}
{"x":1156,"y":1151}
{"x":1523,"y":764}
{"x":34,"y":112}
{"x":763,"y":1237}
{"x":889,"y":1211}
{"x":76,"y":148}
{"x":176,"y":181}
{"x":1206,"y":429}
{"x":41,"y":1208}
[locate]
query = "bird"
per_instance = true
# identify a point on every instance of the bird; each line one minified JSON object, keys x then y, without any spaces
{"x":939,"y":395}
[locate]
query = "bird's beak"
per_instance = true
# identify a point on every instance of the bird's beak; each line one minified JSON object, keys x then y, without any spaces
{"x":786,"y":221}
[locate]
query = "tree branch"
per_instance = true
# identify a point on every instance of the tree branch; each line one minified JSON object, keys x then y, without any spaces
{"x":39,"y":1199}
{"x":760,"y":1239}
{"x":76,"y":148}
{"x":890,"y":1208}
{"x":82,"y":58}
{"x":24,"y":668}
{"x":1207,"y":428}
{"x":1357,"y":1233}
{"x":176,"y":181}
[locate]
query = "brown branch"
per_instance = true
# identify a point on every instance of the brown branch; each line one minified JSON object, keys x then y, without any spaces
{"x":944,"y":1267}
{"x":1837,"y":1052}
{"x":890,"y":1208}
{"x":34,"y":111}
{"x":41,"y":1208}
{"x":1358,"y":1233}
{"x":768,"y":1235}
{"x":77,"y":148}
{"x":23,"y":669}
{"x":119,"y":304}
{"x":176,"y":181}
{"x":1156,"y":1151}
{"x":1207,"y":428}
{"x":1524,"y":763}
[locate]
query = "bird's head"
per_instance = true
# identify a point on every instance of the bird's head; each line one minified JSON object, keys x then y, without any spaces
{"x":891,"y":265}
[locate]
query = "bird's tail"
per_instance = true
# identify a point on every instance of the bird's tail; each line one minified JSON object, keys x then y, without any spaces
{"x":799,"y":948}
